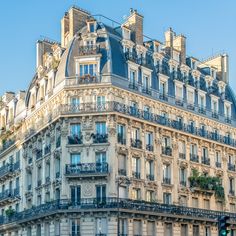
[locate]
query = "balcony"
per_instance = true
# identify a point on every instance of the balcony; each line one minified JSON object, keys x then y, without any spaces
{"x":122,"y":172}
{"x":80,"y":80}
{"x":100,"y":138}
{"x":163,"y":97}
{"x":149,"y":147}
{"x":39,"y":154}
{"x":190,"y":106}
{"x":136,"y":143}
{"x":87,"y":170}
{"x":179,"y":102}
{"x":9,"y":170}
{"x":182,"y":156}
{"x":89,"y":50}
{"x":215,"y":115}
{"x":218,"y":164}
{"x":133,"y":85}
{"x":7,"y":144}
{"x":150,"y":177}
{"x":202,"y":110}
{"x":166,"y":180}
{"x":194,"y":157}
{"x":121,"y":139}
{"x":9,"y":196}
{"x":136,"y":175}
{"x":47,"y":149}
{"x":146,"y":90}
{"x":91,"y":205}
{"x":228,"y":120}
{"x":166,"y":151}
{"x":75,"y":139}
{"x":144,"y":61}
{"x":206,"y":161}
{"x":231,"y":167}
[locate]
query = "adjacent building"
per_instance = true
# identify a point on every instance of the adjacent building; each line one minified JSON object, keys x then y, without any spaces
{"x":118,"y":135}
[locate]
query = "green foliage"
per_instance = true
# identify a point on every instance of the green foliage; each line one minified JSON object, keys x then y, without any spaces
{"x":207,"y":183}
{"x":10,"y":212}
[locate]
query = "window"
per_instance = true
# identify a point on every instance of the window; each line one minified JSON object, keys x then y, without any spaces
{"x":149,"y":141}
{"x":123,"y":227}
{"x":75,"y":130}
{"x":166,"y":142}
{"x":39,"y":175}
{"x":75,"y":192}
{"x":167,"y":198}
{"x":146,"y":112}
{"x":166,"y":174}
{"x":101,"y":128}
{"x":101,"y":102}
{"x":184,"y":230}
{"x":75,"y":159}
{"x":146,"y":82}
{"x":227,"y":111}
{"x":88,"y":69}
{"x":136,"y":167}
{"x":182,"y":150}
{"x":183,"y":176}
{"x":132,"y":77}
{"x":151,"y":229}
{"x":121,"y":134}
{"x":75,"y":102}
{"x":218,"y":159}
{"x":206,"y":203}
{"x":57,"y":167}
{"x":57,"y":228}
{"x":179,"y":92}
{"x":29,"y":231}
{"x":190,"y":97}
{"x":47,"y":229}
{"x":168,"y":229}
{"x":47,"y":197}
{"x":195,"y":230}
{"x":101,"y":193}
{"x":75,"y":227}
{"x":135,"y":134}
{"x":150,"y":170}
{"x":163,"y":87}
{"x":231,"y":186}
{"x":136,"y":194}
{"x":101,"y":226}
{"x":193,"y":152}
{"x":92,"y":27}
{"x":38,"y":230}
{"x":137,"y":227}
{"x":183,"y":200}
{"x":195,"y":202}
{"x":232,"y":207}
{"x":122,"y":164}
{"x":150,"y":196}
{"x":100,"y":157}
{"x":201,"y":102}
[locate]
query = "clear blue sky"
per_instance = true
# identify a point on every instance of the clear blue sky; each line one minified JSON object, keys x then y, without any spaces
{"x":209,"y":26}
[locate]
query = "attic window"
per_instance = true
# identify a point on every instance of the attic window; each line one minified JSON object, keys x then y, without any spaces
{"x":92,"y":27}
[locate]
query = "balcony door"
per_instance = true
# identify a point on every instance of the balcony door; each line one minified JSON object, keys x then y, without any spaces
{"x":101,"y":193}
{"x":75,"y":194}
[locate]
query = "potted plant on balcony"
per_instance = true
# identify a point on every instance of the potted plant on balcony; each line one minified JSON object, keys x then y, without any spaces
{"x":10,"y":212}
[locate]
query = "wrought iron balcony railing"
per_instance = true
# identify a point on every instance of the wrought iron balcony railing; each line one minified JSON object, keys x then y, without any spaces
{"x":194,"y":157}
{"x":149,"y":147}
{"x":9,"y":195}
{"x":166,"y":151}
{"x":206,"y":161}
{"x":84,"y":79}
{"x":166,"y":180}
{"x":136,"y":174}
{"x":133,"y":85}
{"x":100,"y":138}
{"x":121,"y":139}
{"x":218,"y":164}
{"x":75,"y":139}
{"x":91,"y":204}
{"x":6,"y":145}
{"x":122,"y":172}
{"x":231,"y":167}
{"x":88,"y":50}
{"x":9,"y":169}
{"x":183,"y":183}
{"x":81,"y":169}
{"x":136,"y":143}
{"x":150,"y":177}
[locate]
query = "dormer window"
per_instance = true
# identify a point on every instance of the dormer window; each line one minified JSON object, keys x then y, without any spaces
{"x":89,"y":69}
{"x":126,"y":33}
{"x":91,"y":27}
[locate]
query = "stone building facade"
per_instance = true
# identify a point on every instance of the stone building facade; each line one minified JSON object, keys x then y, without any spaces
{"x":116,"y":135}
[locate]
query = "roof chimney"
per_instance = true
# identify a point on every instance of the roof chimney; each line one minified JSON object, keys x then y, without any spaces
{"x":71,"y":23}
{"x":135,"y":23}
